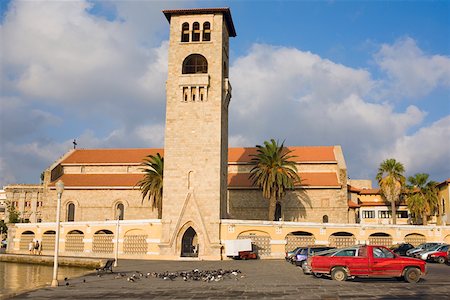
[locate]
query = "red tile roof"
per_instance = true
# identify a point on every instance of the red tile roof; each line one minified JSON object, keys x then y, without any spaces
{"x":353,"y":189}
{"x":130,"y":180}
{"x":370,"y":192}
{"x":235,"y":155}
{"x":110,"y":156}
{"x":352,"y":204}
{"x":100,"y":180}
{"x":241,"y":180}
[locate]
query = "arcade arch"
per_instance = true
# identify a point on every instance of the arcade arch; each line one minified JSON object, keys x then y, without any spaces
{"x":25,"y":239}
{"x":74,"y":241}
{"x":103,"y":241}
{"x":135,"y":242}
{"x":260,"y":241}
{"x":299,"y":239}
{"x":342,"y":239}
{"x":415,"y":239}
{"x":380,"y":238}
{"x":48,"y":240}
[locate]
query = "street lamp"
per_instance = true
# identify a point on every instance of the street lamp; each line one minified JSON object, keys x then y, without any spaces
{"x":59,"y":190}
{"x":116,"y":257}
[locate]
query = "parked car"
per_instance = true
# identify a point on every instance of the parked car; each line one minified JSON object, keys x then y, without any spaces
{"x":401,"y":249}
{"x":366,"y":261}
{"x":420,"y":248}
{"x":423,"y":255}
{"x":302,"y":256}
{"x":292,"y":253}
{"x":440,"y":256}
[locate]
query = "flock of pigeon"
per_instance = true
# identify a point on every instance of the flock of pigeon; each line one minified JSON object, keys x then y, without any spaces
{"x":194,"y":275}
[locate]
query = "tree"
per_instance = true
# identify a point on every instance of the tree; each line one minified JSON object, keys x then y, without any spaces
{"x":13,"y":214}
{"x":3,"y":229}
{"x":391,"y":181}
{"x":273,"y":172}
{"x":151,"y":185}
{"x":422,"y":196}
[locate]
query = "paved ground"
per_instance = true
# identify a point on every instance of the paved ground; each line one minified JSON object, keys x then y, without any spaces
{"x":259,"y":279}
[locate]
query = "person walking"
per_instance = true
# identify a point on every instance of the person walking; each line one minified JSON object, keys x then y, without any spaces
{"x":31,"y":247}
{"x":36,"y":247}
{"x":40,"y":248}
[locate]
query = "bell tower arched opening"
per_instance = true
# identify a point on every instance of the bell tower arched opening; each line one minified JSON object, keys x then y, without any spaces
{"x":189,"y":243}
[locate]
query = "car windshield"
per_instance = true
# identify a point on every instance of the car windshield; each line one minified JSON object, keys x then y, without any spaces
{"x":302,"y":251}
{"x":434,"y":247}
{"x":443,"y":248}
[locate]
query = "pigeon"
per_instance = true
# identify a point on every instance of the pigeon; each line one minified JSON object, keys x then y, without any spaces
{"x":67,"y":284}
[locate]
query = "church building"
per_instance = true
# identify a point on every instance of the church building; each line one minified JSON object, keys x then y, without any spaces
{"x":206,"y":183}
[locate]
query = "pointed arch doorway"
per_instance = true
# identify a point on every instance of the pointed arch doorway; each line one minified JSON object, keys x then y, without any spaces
{"x":189,"y":243}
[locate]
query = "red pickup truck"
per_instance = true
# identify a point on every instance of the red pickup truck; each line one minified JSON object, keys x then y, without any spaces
{"x":366,"y":261}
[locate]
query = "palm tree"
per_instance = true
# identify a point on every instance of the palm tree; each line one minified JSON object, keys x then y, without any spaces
{"x":151,"y":185}
{"x":422,"y":198}
{"x":273,"y":172}
{"x":391,"y":181}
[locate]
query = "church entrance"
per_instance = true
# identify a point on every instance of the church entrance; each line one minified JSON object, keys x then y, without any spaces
{"x":189,"y":243}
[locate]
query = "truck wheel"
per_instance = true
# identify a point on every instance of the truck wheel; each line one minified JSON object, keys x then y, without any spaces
{"x":412,"y":275}
{"x":441,"y":260}
{"x":339,"y":274}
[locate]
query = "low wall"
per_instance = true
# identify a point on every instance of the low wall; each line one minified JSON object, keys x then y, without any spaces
{"x":140,"y":239}
{"x":81,"y":262}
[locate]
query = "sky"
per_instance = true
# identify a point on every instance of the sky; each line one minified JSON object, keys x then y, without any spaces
{"x":371,"y":76}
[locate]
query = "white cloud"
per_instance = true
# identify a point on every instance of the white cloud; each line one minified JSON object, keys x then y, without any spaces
{"x":411,"y":72}
{"x":425,"y":150}
{"x":67,"y":71}
{"x":286,"y":93}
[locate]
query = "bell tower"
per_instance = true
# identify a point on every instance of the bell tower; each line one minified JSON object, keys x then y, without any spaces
{"x":196,"y":136}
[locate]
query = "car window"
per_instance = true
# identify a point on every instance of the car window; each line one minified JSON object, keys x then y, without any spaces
{"x":379,"y":252}
{"x":346,"y":252}
{"x":315,"y":250}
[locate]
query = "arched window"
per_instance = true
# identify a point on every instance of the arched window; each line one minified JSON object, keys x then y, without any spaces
{"x":120,"y":211}
{"x":206,"y":31}
{"x":325,"y":219}
{"x":185,"y":32}
{"x":195,"y":63}
{"x":196,"y":32}
{"x":70,"y":212}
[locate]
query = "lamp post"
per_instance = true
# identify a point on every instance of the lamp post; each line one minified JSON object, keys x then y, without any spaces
{"x":116,"y":256}
{"x":59,"y":190}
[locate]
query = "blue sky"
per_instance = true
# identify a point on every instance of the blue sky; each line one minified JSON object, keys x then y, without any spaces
{"x":371,"y":76}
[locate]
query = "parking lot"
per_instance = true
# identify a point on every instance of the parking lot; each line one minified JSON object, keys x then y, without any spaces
{"x":259,"y":279}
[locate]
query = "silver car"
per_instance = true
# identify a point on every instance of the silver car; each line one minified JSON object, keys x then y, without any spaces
{"x":420,"y":248}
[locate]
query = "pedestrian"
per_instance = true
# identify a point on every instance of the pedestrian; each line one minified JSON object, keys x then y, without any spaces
{"x":40,"y":248}
{"x":31,"y":246}
{"x":36,"y":247}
